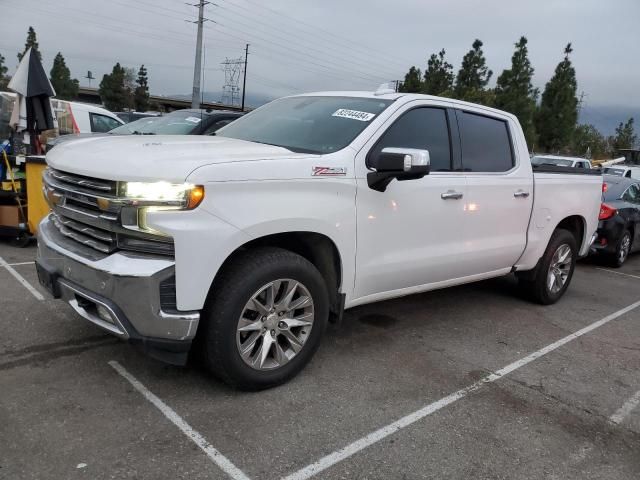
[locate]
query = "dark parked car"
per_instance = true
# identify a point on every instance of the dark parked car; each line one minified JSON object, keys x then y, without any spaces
{"x":179,"y":122}
{"x":189,"y":122}
{"x":133,"y":116}
{"x":619,"y":227}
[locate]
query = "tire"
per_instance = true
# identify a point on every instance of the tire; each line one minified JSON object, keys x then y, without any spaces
{"x":622,"y":250}
{"x":541,"y":289}
{"x":230,"y":308}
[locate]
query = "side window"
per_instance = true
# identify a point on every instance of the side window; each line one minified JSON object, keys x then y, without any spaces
{"x":580,"y":165}
{"x":632,"y":194}
{"x":217,"y":125}
{"x":628,"y":174}
{"x":424,"y":128}
{"x":486,"y":145}
{"x":102,"y":123}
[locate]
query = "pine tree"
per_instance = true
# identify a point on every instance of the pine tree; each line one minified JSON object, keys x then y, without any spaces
{"x":66,"y":88}
{"x":587,"y":138}
{"x":625,"y":135}
{"x":558,"y":114}
{"x":112,"y":89}
{"x":473,"y":77}
{"x":412,"y":81}
{"x":4,"y":79}
{"x":515,"y":93}
{"x":141,"y":95}
{"x":32,"y":42}
{"x":438,"y":77}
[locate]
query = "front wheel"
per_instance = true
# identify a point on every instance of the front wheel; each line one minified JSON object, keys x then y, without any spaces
{"x":265,"y":318}
{"x":555,"y":269}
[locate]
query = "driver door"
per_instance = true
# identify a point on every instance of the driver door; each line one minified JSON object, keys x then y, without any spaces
{"x":412,"y":235}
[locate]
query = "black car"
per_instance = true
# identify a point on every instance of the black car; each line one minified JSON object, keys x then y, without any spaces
{"x":133,"y":116}
{"x":619,"y":226}
{"x":179,"y":122}
{"x":188,"y":122}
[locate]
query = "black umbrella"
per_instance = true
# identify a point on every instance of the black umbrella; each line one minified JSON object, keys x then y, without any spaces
{"x":32,"y":111}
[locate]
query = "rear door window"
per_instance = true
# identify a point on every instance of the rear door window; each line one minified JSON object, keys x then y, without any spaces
{"x":486,"y":143}
{"x":632,"y":194}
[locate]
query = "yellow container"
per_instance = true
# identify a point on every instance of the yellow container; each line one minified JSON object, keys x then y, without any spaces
{"x":38,"y":206}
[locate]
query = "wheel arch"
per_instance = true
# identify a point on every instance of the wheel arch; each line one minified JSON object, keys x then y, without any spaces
{"x":317,"y":248}
{"x":577,"y":226}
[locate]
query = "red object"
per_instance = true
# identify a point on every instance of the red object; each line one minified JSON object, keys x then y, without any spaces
{"x":605,"y":187}
{"x":603,"y":242}
{"x":606,"y":211}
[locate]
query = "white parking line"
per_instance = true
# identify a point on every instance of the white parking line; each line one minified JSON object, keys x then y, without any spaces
{"x":625,"y":409}
{"x":21,"y":279}
{"x":20,"y":263}
{"x":220,"y":460}
{"x":618,"y":273}
{"x":374,"y":437}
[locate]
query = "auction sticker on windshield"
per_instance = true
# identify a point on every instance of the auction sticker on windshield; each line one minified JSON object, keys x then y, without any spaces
{"x":353,"y":114}
{"x":192,"y":119}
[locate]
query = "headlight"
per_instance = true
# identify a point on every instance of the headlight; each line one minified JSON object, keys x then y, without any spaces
{"x":161,"y":194}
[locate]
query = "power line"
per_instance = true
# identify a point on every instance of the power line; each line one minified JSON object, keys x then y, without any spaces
{"x":334,"y":54}
{"x":332,"y":36}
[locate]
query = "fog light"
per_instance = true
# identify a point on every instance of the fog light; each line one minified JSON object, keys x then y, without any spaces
{"x":104,"y":313}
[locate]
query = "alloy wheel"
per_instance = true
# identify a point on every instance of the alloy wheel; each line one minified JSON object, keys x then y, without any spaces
{"x":275,"y":324}
{"x":559,"y":268}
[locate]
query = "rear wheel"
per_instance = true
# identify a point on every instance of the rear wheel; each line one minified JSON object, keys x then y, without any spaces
{"x":265,"y":319}
{"x":622,"y":250}
{"x":555,"y":269}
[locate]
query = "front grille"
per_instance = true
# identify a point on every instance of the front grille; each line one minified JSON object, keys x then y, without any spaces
{"x":89,"y":212}
{"x":92,"y":184}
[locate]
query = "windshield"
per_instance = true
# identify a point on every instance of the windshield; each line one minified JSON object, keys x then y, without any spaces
{"x":307,"y":124}
{"x":614,"y":171}
{"x":129,"y":128}
{"x":551,"y":161}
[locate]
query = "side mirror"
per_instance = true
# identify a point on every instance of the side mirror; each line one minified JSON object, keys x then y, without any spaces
{"x":399,"y":163}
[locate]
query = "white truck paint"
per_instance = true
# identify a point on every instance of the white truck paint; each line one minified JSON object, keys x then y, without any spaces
{"x":406,"y":239}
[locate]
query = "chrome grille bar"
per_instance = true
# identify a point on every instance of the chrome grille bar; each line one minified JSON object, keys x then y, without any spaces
{"x":92,"y":184}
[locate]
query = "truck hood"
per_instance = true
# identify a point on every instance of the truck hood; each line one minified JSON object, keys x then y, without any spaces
{"x":164,"y":157}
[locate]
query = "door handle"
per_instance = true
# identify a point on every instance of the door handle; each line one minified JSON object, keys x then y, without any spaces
{"x":451,"y":195}
{"x":521,"y":194}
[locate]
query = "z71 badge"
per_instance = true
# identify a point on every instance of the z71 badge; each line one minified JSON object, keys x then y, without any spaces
{"x":328,"y":171}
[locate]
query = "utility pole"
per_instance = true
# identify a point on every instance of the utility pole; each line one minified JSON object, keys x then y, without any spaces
{"x":244,"y":81}
{"x":197,"y":70}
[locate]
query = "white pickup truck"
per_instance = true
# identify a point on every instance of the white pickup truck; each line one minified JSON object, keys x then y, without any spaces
{"x":247,"y":243}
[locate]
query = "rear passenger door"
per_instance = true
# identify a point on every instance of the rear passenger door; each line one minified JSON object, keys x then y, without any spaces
{"x":499,"y":191}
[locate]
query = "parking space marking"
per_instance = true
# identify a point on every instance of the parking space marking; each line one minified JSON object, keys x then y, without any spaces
{"x":626,"y":409}
{"x":374,"y":437}
{"x":20,"y":263}
{"x":21,"y":279}
{"x":618,"y":273}
{"x":218,"y":458}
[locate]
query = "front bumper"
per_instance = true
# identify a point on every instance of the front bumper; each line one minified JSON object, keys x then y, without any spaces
{"x":119,"y":293}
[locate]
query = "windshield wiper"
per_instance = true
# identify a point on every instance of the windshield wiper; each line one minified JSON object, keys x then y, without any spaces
{"x":135,"y":132}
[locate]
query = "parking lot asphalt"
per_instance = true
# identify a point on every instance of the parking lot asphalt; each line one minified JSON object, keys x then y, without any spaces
{"x":567,"y":412}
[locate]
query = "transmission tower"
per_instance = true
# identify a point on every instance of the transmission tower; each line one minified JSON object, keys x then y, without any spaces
{"x":233,"y":69}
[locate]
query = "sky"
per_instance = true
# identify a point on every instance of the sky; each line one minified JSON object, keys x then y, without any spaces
{"x":305,"y":45}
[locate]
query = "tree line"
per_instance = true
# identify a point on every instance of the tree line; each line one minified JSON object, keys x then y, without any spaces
{"x":549,"y":121}
{"x":119,"y":90}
